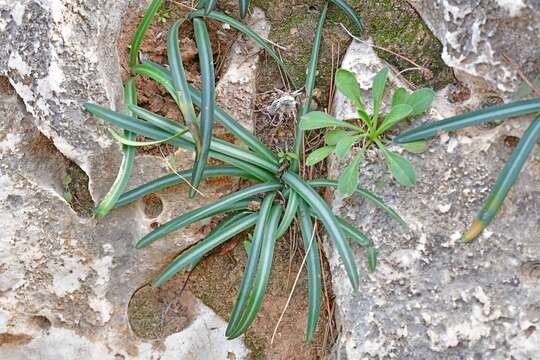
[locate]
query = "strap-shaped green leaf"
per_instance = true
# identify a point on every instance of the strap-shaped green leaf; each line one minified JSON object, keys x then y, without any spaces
{"x":180,"y":83}
{"x":204,"y":246}
{"x":222,"y":205}
{"x":179,"y":177}
{"x":505,"y":181}
{"x":206,"y":64}
{"x":313,"y":265}
{"x":141,"y":30}
{"x":215,"y":15}
{"x":364,"y":193}
{"x":163,"y":77}
{"x":310,"y":84}
{"x":329,"y":220}
{"x":128,"y":157}
{"x":251,"y":265}
{"x":489,"y":114}
{"x":210,"y":5}
{"x":263,"y":273}
{"x":134,"y":143}
{"x":349,"y":11}
{"x":352,"y":233}
{"x":172,"y":127}
{"x":289,"y":214}
{"x":243,"y":5}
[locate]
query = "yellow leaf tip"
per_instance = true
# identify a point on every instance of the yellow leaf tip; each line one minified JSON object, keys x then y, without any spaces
{"x":473,"y":231}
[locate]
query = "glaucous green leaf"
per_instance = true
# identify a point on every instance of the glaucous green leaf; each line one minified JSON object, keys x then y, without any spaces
{"x":421,"y":100}
{"x":320,"y":120}
{"x":400,"y":168}
{"x":347,"y":85}
{"x":348,"y":181}
{"x":415,"y":147}
{"x":319,"y":155}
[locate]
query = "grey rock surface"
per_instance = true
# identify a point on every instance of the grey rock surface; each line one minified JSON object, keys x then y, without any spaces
{"x":487,"y":42}
{"x":65,"y":279}
{"x":433,"y":297}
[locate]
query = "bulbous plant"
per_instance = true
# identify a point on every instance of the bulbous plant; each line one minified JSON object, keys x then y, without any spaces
{"x":515,"y":163}
{"x":280,"y":193}
{"x":343,"y":134}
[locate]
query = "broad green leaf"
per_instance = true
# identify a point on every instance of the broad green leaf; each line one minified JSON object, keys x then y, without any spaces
{"x":415,"y":147}
{"x":398,"y":113}
{"x":331,"y":137}
{"x":347,"y":85}
{"x":345,"y":144}
{"x":400,"y":96}
{"x":379,"y":82}
{"x":348,"y":181}
{"x":320,"y":120}
{"x":400,"y":168}
{"x":319,"y":155}
{"x":372,"y":259}
{"x":365,"y":117}
{"x":421,"y":100}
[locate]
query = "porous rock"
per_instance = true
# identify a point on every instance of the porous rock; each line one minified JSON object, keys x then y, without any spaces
{"x":433,"y":297}
{"x":490,"y":44}
{"x":66,"y":280}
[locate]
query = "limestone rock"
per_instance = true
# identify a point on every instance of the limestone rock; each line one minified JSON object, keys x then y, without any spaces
{"x":66,"y":280}
{"x":486,"y":42}
{"x":433,"y":297}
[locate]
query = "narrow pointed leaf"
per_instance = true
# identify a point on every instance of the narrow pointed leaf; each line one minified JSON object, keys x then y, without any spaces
{"x":329,"y":220}
{"x":372,"y":259}
{"x":251,"y":265}
{"x":163,"y":77}
{"x":141,"y":30}
{"x":473,"y":118}
{"x":263,"y":274}
{"x":129,"y":142}
{"x":289,"y":214}
{"x":221,"y":205}
{"x":128,"y":157}
{"x":313,"y":265}
{"x":210,"y":5}
{"x":310,"y":84}
{"x":206,"y":64}
{"x":364,"y":193}
{"x":351,"y":13}
{"x":204,"y":246}
{"x":505,"y":181}
{"x":244,"y":5}
{"x":179,"y":177}
{"x":215,"y":15}
{"x":354,"y":234}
